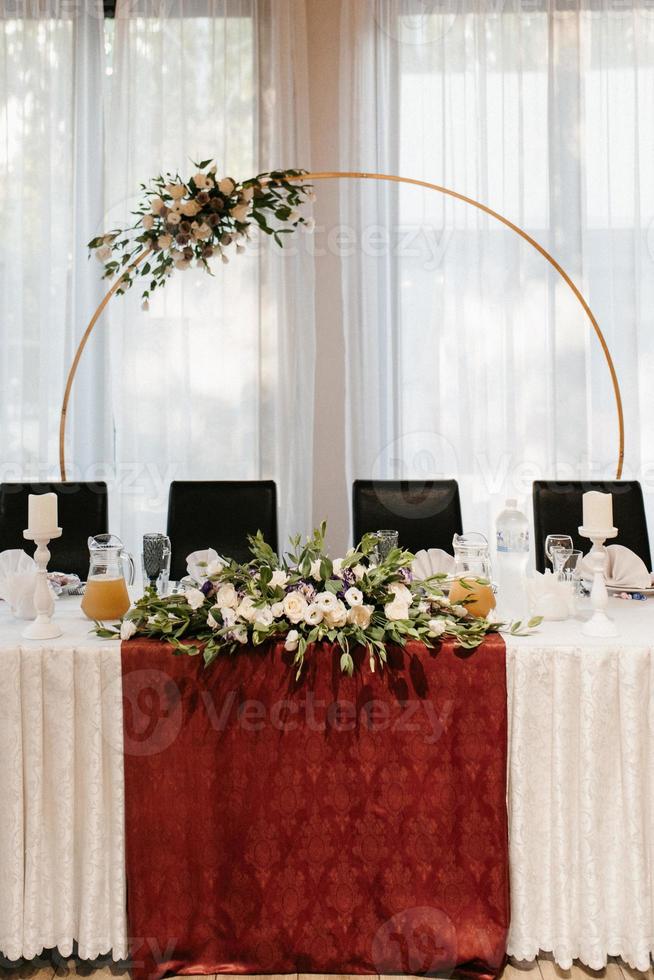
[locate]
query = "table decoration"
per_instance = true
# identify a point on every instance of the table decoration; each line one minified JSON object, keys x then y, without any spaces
{"x":131,"y":258}
{"x":306,"y":598}
{"x":42,"y":521}
{"x":549,"y":597}
{"x":598,"y":526}
{"x":17,"y":582}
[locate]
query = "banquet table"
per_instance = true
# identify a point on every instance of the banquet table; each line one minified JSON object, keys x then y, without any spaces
{"x":580,"y":791}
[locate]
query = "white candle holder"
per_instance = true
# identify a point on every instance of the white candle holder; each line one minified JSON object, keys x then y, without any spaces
{"x":42,"y":628}
{"x":599,"y":624}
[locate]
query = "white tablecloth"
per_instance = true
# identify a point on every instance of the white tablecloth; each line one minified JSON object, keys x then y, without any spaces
{"x":581,"y":791}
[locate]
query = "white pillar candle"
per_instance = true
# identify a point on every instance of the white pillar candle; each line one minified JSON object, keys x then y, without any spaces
{"x":598,"y":510}
{"x":42,"y":513}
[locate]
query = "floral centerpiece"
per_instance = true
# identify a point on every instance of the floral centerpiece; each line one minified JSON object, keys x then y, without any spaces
{"x":304,"y":598}
{"x":180,"y":222}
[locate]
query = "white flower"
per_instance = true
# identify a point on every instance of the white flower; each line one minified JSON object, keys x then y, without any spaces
{"x":127,"y":629}
{"x":436,"y":627}
{"x":103,"y":253}
{"x":279,"y":578}
{"x":173,"y":218}
{"x":246,"y":609}
{"x":313,"y":615}
{"x":335,"y":618}
{"x":164,"y":241}
{"x":401,"y":592}
{"x":459,"y":610}
{"x":212,"y":623}
{"x":226,"y":596}
{"x":326,"y":602}
{"x":354,"y":596}
{"x":315,"y":570}
{"x":194,"y":597}
{"x":292,"y":640}
{"x":277,"y":609}
{"x":396,"y":610}
{"x":263,"y":617}
{"x":148,"y":221}
{"x":176,"y":191}
{"x":295,"y":606}
{"x":240,"y":634}
{"x":197,"y":563}
{"x":240,"y":212}
{"x":226,"y":186}
{"x":228,"y":616}
{"x":359,"y":571}
{"x":337,"y":567}
{"x":215,"y":567}
{"x":360,"y":616}
{"x":190,"y":208}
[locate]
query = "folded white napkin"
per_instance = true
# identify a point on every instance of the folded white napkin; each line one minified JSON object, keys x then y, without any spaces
{"x":433,"y":561}
{"x":549,"y":598}
{"x":624,"y":569}
{"x":17,"y":582}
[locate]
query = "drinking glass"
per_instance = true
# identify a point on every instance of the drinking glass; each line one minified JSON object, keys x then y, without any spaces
{"x":570,"y":571}
{"x":558,"y":548}
{"x":386,"y":541}
{"x":155,"y":561}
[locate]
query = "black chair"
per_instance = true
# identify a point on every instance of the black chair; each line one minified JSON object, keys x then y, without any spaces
{"x":425,"y":513}
{"x":220,"y":515}
{"x":82,"y":513}
{"x":558,"y":510}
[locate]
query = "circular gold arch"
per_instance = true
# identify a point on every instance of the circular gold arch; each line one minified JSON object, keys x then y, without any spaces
{"x":356,"y":175}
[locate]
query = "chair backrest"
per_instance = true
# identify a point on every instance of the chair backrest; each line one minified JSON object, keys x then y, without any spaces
{"x":221,"y":515}
{"x":82,"y":513}
{"x":425,"y":513}
{"x":558,"y":510}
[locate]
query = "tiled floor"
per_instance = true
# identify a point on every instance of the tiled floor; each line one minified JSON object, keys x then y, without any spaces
{"x":543,"y":969}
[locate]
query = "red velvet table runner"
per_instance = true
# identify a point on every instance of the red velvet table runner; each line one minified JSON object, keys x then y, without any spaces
{"x":330,"y":825}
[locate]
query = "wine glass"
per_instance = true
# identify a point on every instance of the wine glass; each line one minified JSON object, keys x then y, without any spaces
{"x":558,"y":548}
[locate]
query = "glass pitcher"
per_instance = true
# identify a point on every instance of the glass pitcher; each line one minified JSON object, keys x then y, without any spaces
{"x":472,"y":585}
{"x":105,"y":595}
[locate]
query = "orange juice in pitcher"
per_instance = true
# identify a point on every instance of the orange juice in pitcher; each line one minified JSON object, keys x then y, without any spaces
{"x":105,"y":595}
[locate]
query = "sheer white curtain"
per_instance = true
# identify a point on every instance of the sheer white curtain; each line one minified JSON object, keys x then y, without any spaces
{"x":467,"y":356}
{"x":51,"y":192}
{"x":215,"y":381}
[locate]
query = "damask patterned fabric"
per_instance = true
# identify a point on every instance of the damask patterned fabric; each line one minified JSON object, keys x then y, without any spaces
{"x":330,"y":825}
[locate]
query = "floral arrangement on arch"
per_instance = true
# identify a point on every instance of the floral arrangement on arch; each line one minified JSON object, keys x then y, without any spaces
{"x":301,"y":599}
{"x":184,"y":222}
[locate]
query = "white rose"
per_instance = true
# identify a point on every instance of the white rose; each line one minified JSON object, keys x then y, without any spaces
{"x":173,"y":218}
{"x":176,"y":191}
{"x":292,"y":640}
{"x":240,"y":634}
{"x":354,"y":597}
{"x":359,"y":571}
{"x":148,"y":221}
{"x":401,"y":593}
{"x":200,"y":180}
{"x":246,"y":609}
{"x":240,"y":212}
{"x":335,"y":618}
{"x":215,"y":567}
{"x":103,"y":253}
{"x":226,"y":596}
{"x":360,"y":616}
{"x":212,"y":623}
{"x":277,"y":609}
{"x":337,"y":567}
{"x":295,"y":606}
{"x":459,"y":610}
{"x":228,"y":616}
{"x":263,"y":617}
{"x":396,"y":610}
{"x":279,"y":579}
{"x":127,"y":629}
{"x":156,"y":204}
{"x":326,"y":602}
{"x":190,"y":208}
{"x":194,"y":597}
{"x":226,"y":185}
{"x":164,"y":241}
{"x":315,"y":570}
{"x":313,"y":615}
{"x":436,"y":627}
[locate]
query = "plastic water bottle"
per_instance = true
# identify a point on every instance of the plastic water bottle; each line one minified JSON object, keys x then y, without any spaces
{"x":512,"y":528}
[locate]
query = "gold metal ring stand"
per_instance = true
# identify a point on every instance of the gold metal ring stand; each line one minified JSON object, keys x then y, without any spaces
{"x":355,"y":175}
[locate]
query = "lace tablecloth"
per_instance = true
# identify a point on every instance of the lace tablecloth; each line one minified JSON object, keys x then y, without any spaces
{"x":581,"y":791}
